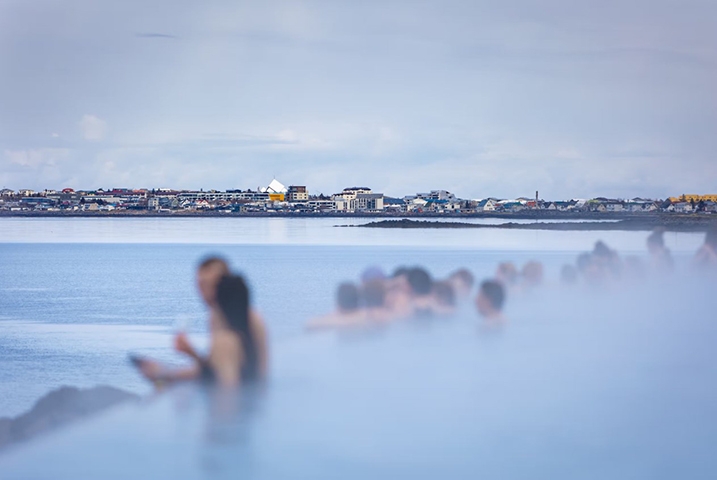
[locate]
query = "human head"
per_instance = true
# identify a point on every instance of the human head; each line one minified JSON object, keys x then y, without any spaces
{"x":656,"y":241}
{"x":490,"y":298}
{"x":445,"y":294}
{"x":209,"y":272}
{"x":372,"y":273}
{"x":347,"y":297}
{"x":506,"y":273}
{"x":533,"y":273}
{"x":462,"y":282}
{"x":420,"y":282}
{"x":373,"y":294}
{"x":601,"y":250}
{"x":232,"y":296}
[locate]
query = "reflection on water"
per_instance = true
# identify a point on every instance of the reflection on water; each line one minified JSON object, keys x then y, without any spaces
{"x":618,"y":384}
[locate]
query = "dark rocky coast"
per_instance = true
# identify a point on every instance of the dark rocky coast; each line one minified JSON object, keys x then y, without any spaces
{"x":59,"y":408}
{"x":673,"y":223}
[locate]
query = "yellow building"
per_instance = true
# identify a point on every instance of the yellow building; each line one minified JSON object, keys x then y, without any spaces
{"x":689,"y":197}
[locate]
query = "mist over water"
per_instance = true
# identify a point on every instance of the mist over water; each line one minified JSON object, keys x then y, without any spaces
{"x":613,"y":382}
{"x":617,"y":384}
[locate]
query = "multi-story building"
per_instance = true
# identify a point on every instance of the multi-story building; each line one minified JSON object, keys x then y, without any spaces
{"x":297,"y":193}
{"x":358,"y":199}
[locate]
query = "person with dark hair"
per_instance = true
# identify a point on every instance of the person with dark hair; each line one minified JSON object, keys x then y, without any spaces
{"x":421,"y":288}
{"x":659,"y":254}
{"x":607,"y":261}
{"x":348,"y":311}
{"x":462,"y":282}
{"x":238,"y":343}
{"x":373,"y":301}
{"x":239,"y":351}
{"x":347,"y":298}
{"x":489,"y":302}
{"x":706,"y":256}
{"x":445,"y":298}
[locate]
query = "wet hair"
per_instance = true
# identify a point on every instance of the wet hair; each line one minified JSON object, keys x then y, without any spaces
{"x":420,"y":281}
{"x":373,"y":294}
{"x":233,"y":300}
{"x":656,"y":238}
{"x":444,"y":293}
{"x":347,"y":297}
{"x":464,"y":276}
{"x":210,"y":261}
{"x":602,"y":250}
{"x":583,"y":262}
{"x":400,"y":271}
{"x":494,"y":292}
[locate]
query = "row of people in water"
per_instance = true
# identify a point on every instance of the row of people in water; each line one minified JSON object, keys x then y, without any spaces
{"x":409,"y":293}
{"x":238,"y":348}
{"x":603,"y":266}
{"x":239,"y":351}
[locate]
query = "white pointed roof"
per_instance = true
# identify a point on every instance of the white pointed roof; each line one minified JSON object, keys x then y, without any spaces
{"x":275,"y":187}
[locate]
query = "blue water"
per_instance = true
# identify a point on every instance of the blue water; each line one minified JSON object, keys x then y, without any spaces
{"x":72,"y":312}
{"x":616,"y":383}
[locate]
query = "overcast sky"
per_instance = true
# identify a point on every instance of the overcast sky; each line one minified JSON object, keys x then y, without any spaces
{"x":501,"y":98}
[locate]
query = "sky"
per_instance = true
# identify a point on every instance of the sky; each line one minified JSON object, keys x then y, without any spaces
{"x":574,"y":99}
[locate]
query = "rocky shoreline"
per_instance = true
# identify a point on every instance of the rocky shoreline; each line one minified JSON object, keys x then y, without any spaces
{"x":59,"y":408}
{"x":671,"y":223}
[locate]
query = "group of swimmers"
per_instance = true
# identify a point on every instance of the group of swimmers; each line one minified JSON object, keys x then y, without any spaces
{"x":239,"y":353}
{"x":408,"y":293}
{"x":603,"y":266}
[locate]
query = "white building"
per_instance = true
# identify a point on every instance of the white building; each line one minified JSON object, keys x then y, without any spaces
{"x":358,"y":199}
{"x":274,"y":187}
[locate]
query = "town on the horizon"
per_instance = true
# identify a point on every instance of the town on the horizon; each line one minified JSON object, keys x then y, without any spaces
{"x":278,"y":198}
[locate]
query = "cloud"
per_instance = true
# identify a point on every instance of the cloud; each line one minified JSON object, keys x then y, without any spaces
{"x":480,"y":99}
{"x":93,"y":128}
{"x":155,"y":35}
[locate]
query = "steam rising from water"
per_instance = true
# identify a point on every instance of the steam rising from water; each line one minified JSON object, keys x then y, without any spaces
{"x":618,"y":383}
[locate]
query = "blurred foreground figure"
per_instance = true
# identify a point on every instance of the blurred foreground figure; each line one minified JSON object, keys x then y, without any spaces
{"x":706,"y":257}
{"x":489,"y":302}
{"x":660,"y":257}
{"x":238,"y":350}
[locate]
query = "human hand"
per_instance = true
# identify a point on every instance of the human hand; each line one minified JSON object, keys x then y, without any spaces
{"x":181,"y":344}
{"x":150,"y":369}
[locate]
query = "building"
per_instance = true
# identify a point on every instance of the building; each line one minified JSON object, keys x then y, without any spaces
{"x":276,"y":191}
{"x":297,"y":193}
{"x":358,"y":199}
